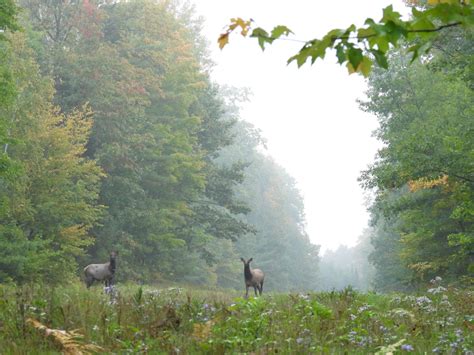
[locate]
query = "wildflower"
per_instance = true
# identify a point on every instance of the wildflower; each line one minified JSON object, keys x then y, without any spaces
{"x":95,"y":328}
{"x":353,"y":317}
{"x":436,"y":280}
{"x":303,"y":296}
{"x":154,"y":293}
{"x":299,"y":341}
{"x":409,"y":298}
{"x":407,"y":347}
{"x":396,"y":299}
{"x":422,"y":300}
{"x":365,"y":341}
{"x":439,"y":289}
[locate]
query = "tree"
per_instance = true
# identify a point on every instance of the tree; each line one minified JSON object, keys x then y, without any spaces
{"x":8,"y":24}
{"x":158,"y":126}
{"x":348,"y":266}
{"x":423,"y":175}
{"x":359,"y":48}
{"x":50,"y":205}
{"x":8,"y":18}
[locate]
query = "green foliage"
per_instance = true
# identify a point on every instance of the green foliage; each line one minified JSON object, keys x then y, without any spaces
{"x":8,"y":24}
{"x":134,"y":98}
{"x":423,"y":175}
{"x":358,"y":48}
{"x":158,"y":126}
{"x":8,"y":18}
{"x":164,"y":320}
{"x":51,"y":203}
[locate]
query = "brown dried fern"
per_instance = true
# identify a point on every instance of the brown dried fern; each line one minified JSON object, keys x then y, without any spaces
{"x":70,"y":342}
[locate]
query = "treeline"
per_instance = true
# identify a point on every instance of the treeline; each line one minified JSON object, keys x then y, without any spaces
{"x":115,"y":138}
{"x":422,"y":214}
{"x":423,"y":177}
{"x":348,"y":266}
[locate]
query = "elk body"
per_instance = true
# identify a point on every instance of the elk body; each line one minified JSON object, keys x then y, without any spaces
{"x":253,"y":278}
{"x":101,"y":272}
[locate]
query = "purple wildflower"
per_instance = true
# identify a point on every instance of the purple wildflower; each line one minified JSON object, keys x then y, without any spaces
{"x":407,"y":347}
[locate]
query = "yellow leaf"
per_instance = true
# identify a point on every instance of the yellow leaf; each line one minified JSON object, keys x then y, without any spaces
{"x":423,"y":183}
{"x":223,"y":40}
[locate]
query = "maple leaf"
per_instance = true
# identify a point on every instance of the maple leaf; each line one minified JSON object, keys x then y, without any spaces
{"x":223,"y":40}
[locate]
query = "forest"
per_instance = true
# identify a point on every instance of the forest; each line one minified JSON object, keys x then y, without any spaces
{"x":114,"y":137}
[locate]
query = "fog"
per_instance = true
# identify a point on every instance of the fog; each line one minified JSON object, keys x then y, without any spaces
{"x":309,"y":116}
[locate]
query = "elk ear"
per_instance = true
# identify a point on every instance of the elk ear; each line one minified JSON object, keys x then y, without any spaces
{"x":250,"y":260}
{"x":242,"y":260}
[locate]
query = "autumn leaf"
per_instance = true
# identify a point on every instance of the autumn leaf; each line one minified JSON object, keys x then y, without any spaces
{"x":223,"y":40}
{"x":236,"y":22}
{"x":424,"y":183}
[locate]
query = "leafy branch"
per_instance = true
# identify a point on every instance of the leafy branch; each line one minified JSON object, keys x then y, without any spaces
{"x":8,"y":17}
{"x":358,"y":48}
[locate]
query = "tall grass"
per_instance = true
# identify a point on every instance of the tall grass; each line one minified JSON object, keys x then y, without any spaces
{"x":188,"y":320}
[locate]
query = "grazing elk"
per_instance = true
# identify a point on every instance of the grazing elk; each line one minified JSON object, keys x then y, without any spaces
{"x":253,"y":277}
{"x":101,"y":272}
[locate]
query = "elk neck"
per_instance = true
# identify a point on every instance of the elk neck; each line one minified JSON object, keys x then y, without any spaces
{"x":247,"y":273}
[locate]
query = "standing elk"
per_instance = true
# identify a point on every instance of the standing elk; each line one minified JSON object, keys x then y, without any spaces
{"x":253,"y":277}
{"x":101,"y":272}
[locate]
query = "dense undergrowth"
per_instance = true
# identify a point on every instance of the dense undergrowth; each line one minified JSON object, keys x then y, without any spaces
{"x":185,"y":320}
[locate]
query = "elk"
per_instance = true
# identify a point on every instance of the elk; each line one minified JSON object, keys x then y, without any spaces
{"x":253,"y":277}
{"x":101,"y":272}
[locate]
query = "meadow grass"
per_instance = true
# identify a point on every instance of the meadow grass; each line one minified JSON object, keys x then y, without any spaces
{"x":173,"y":319}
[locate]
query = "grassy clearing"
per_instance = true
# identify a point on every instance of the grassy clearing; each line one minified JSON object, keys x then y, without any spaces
{"x":187,"y":320}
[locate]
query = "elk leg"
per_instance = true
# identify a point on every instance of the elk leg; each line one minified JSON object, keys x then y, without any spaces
{"x":89,"y":282}
{"x":246,"y":291}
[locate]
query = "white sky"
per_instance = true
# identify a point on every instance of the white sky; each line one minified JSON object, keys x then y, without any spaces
{"x":309,"y":116}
